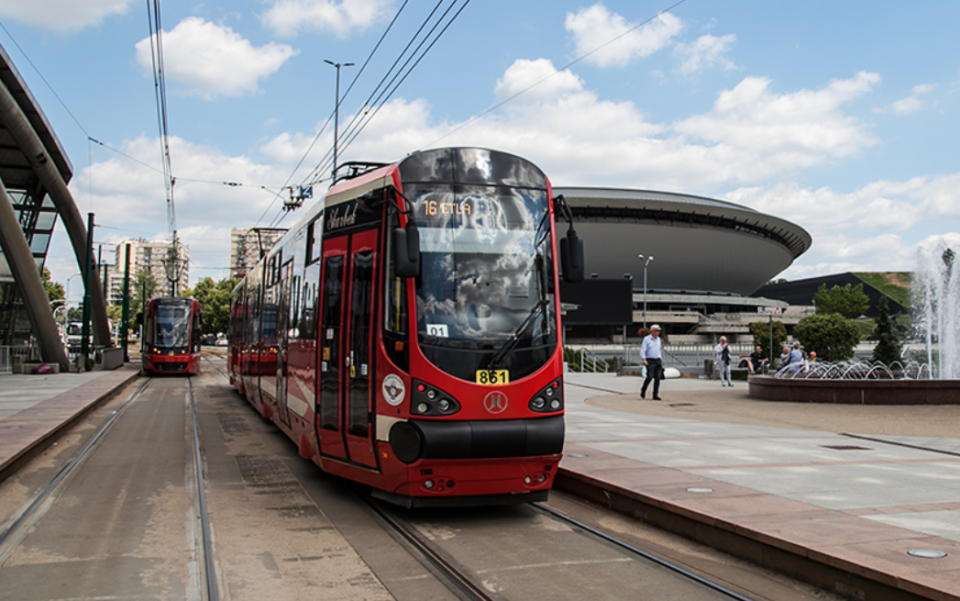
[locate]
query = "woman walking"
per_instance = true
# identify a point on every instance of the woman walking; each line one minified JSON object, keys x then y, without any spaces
{"x":723,"y":362}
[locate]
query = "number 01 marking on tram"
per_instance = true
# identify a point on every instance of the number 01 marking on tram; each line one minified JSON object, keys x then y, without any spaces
{"x":493,"y":377}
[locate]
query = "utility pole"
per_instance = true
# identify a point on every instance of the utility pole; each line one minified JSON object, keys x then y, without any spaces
{"x":125,"y":310}
{"x":336,"y":115}
{"x":87,"y":268}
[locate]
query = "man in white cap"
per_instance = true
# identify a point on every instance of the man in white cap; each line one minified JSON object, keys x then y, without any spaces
{"x":651,"y":352}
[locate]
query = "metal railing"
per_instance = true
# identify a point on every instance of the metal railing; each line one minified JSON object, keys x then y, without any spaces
{"x":590,"y":362}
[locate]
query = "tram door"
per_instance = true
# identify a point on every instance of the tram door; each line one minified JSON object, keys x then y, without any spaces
{"x":346,"y":417}
{"x":283,"y":339}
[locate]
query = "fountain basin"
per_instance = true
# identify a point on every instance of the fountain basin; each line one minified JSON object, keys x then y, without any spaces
{"x":855,"y":392}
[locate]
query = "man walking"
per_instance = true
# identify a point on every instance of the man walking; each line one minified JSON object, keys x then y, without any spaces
{"x":651,"y":351}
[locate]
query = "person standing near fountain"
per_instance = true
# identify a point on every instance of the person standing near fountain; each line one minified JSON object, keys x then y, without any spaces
{"x":794,"y":359}
{"x":723,"y":362}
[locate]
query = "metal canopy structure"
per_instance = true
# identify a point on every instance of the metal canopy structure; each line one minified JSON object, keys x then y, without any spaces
{"x":34,"y":172}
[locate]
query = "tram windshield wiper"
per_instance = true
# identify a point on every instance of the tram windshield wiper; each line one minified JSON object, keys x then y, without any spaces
{"x":511,"y":344}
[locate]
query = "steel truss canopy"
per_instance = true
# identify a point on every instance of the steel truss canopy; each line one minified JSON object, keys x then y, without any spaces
{"x":34,"y":171}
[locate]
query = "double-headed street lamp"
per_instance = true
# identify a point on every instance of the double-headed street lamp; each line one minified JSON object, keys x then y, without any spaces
{"x":336,"y":113}
{"x":645,"y":263}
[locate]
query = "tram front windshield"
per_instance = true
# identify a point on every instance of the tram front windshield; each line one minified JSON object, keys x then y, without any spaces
{"x":172,"y":326}
{"x":484,"y":299}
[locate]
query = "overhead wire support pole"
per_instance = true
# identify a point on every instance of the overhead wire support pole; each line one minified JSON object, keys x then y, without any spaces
{"x":336,"y":115}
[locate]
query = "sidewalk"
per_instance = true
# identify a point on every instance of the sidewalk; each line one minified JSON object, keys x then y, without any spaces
{"x":34,"y":408}
{"x":841,"y":512}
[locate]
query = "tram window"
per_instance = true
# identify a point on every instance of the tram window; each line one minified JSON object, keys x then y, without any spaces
{"x":314,"y":240}
{"x":395,"y":318}
{"x":330,"y":342}
{"x":360,"y":294}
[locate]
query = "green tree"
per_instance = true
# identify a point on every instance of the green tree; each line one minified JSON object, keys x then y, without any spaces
{"x":214,"y":298}
{"x":760,"y":330}
{"x":849,"y":301}
{"x":888,"y":347}
{"x":54,"y":289}
{"x":143,"y":287}
{"x":832,"y":336}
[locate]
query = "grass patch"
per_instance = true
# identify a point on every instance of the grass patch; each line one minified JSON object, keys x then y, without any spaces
{"x":895,"y":284}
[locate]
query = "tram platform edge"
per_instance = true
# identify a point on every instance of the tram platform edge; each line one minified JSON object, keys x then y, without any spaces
{"x":35,"y":409}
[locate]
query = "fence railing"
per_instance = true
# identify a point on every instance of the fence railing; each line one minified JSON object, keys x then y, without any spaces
{"x":590,"y":362}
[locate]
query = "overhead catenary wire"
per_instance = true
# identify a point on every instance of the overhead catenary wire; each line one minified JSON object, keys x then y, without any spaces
{"x":323,"y":128}
{"x":379,"y":97}
{"x":389,"y":84}
{"x":160,"y":90}
{"x":555,"y":73}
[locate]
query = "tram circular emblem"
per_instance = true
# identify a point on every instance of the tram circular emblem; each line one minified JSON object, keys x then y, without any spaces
{"x":495,"y":402}
{"x":393,"y":390}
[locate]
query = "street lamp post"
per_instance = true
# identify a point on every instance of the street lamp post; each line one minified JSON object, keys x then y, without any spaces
{"x":336,"y":114}
{"x":645,"y":263}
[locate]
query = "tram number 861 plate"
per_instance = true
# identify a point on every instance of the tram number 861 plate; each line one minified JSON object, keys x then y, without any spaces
{"x":493,"y":377}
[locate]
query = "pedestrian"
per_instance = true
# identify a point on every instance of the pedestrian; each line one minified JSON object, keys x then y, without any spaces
{"x":795,"y":358}
{"x":651,"y":352}
{"x":755,"y":360}
{"x":723,"y":362}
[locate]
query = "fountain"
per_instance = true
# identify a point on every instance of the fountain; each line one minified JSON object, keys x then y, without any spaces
{"x":936,"y":381}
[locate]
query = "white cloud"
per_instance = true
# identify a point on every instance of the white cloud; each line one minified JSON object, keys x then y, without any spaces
{"x":288,"y":17}
{"x":62,"y":15}
{"x":706,"y":52}
{"x":212,"y":60}
{"x":878,"y":227}
{"x":596,"y":26}
{"x":785,"y":131}
{"x":129,"y":200}
{"x":912,"y":103}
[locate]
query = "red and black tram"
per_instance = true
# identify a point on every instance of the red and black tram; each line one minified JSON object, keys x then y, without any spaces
{"x":406,"y":332}
{"x":170,"y":340}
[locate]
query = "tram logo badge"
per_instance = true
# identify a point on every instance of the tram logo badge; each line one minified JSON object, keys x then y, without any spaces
{"x":495,"y":402}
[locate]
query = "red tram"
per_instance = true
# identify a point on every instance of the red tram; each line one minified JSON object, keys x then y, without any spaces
{"x":406,"y":333}
{"x":170,"y":341}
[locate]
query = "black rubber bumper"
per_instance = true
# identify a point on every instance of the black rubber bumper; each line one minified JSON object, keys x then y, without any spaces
{"x":426,"y":439}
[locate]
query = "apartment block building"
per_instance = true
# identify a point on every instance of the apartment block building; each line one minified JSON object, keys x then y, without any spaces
{"x":158,"y":259}
{"x":247,"y":245}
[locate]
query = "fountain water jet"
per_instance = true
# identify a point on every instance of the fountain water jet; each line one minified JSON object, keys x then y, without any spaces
{"x":936,"y":289}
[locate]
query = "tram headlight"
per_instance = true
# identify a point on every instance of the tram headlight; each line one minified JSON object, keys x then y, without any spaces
{"x":549,"y":399}
{"x":429,"y":400}
{"x":428,"y":484}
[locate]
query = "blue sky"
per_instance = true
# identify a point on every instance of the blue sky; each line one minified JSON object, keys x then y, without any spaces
{"x":840,"y":117}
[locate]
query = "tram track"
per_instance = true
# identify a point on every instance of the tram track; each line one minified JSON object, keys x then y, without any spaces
{"x":469,"y":585}
{"x":32,"y":513}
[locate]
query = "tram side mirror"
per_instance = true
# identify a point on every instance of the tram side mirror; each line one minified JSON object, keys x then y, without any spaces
{"x":139,"y":319}
{"x":571,"y":257}
{"x":406,"y":250}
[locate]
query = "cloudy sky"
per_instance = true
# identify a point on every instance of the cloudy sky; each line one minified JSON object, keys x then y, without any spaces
{"x":840,"y":117}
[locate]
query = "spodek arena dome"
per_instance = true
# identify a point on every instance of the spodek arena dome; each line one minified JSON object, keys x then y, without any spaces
{"x":699,"y":245}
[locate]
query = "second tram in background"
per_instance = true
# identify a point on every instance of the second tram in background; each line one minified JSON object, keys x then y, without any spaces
{"x":170,"y":338}
{"x":406,"y":332}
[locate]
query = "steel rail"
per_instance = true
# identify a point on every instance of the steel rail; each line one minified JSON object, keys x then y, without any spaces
{"x":716,"y":586}
{"x":449,"y":572}
{"x":29,"y":510}
{"x":210,"y":570}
